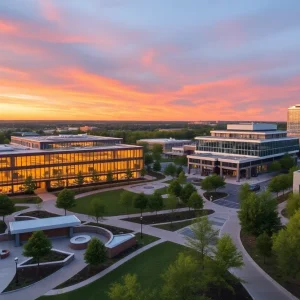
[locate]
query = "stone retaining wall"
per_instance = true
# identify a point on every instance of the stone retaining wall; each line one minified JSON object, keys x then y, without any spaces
{"x":94,"y":229}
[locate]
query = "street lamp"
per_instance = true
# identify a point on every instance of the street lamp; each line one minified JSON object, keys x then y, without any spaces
{"x":141,"y":227}
{"x":17,"y":278}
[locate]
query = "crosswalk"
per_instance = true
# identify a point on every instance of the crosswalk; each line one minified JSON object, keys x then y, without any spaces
{"x":227,"y":203}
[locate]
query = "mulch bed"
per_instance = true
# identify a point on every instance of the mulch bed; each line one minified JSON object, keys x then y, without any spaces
{"x":283,"y":198}
{"x":29,"y":275}
{"x":52,"y":256}
{"x":112,"y":229}
{"x":168,"y":217}
{"x":215,"y":195}
{"x":2,"y":227}
{"x":41,"y":214}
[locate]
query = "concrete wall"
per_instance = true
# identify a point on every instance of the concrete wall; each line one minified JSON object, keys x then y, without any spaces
{"x":112,"y":252}
{"x":296,"y":182}
{"x":4,"y":237}
{"x":95,"y":229}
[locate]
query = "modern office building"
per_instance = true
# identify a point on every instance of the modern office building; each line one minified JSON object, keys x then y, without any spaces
{"x":243,"y":150}
{"x":167,"y":144}
{"x":55,"y":161}
{"x":293,"y":121}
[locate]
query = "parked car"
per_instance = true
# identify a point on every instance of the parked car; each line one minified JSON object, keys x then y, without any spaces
{"x":254,"y":187}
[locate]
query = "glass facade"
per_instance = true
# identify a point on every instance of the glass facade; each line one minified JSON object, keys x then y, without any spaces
{"x":61,"y":168}
{"x":248,"y":148}
{"x":293,"y":120}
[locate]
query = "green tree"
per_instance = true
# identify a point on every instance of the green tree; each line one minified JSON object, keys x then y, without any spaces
{"x":172,"y":204}
{"x":212,"y":182}
{"x":156,"y":201}
{"x":143,"y":173}
{"x":258,"y":213}
{"x":175,"y":188}
{"x":170,"y":170}
{"x":129,"y":174}
{"x":37,"y":247}
{"x":126,"y":200}
{"x":95,"y":253}
{"x":148,"y":160}
{"x":79,"y":180}
{"x":156,"y":166}
{"x":182,"y":279}
{"x":181,"y":178}
{"x":181,"y":160}
{"x":179,"y":170}
{"x":287,"y":162}
{"x":157,"y":150}
{"x":264,"y":245}
{"x":141,"y":202}
{"x":275,"y":166}
{"x":97,"y":210}
{"x":244,"y":192}
{"x":7,"y":206}
{"x":285,"y":183}
{"x":109,"y":176}
{"x":65,"y":200}
{"x":145,"y":146}
{"x":204,"y":237}
{"x":95,"y":176}
{"x":59,"y":180}
{"x":29,"y":185}
{"x":293,"y":204}
{"x":186,"y":192}
{"x":275,"y":185}
{"x":286,"y":247}
{"x":195,"y":201}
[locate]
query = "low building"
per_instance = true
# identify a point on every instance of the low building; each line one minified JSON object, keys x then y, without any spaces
{"x":88,"y":128}
{"x":167,"y":144}
{"x":181,"y":151}
{"x":55,"y":161}
{"x":243,"y":150}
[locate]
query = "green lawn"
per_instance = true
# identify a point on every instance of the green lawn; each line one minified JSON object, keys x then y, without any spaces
{"x":175,"y":226}
{"x":28,"y":199}
{"x":18,"y":208}
{"x":163,"y":190}
{"x":111,"y":201}
{"x":148,"y":266}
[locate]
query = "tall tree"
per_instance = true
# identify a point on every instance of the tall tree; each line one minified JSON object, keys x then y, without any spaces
{"x":97,"y":210}
{"x":141,"y":202}
{"x":186,"y":192}
{"x":204,"y":237}
{"x":285,"y":183}
{"x":155,"y":201}
{"x":286,"y":247}
{"x":179,"y":170}
{"x":287,"y":162}
{"x":212,"y":182}
{"x":95,"y":253}
{"x":109,"y":176}
{"x":264,"y":245}
{"x":244,"y":191}
{"x":172,"y":204}
{"x":129,"y":174}
{"x":258,"y":213}
{"x":275,"y":185}
{"x":79,"y":179}
{"x":170,"y":170}
{"x":65,"y":200}
{"x":7,"y":206}
{"x":37,"y":247}
{"x":275,"y":166}
{"x":195,"y":201}
{"x":29,"y":185}
{"x":95,"y":176}
{"x":156,"y":166}
{"x":181,"y":178}
{"x":148,"y":160}
{"x":126,"y":199}
{"x":175,"y":188}
{"x":293,"y":204}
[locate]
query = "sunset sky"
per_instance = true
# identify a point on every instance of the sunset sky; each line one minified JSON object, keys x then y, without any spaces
{"x":149,"y":60}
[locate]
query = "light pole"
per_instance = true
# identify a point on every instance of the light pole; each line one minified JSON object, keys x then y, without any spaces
{"x":141,"y":227}
{"x":17,"y":278}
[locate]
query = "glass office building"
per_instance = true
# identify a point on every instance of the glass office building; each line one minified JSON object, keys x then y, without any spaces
{"x":56,"y":161}
{"x":293,"y":121}
{"x":243,"y":150}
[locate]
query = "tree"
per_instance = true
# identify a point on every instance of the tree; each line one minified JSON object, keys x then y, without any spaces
{"x":212,"y":182}
{"x":286,"y":247}
{"x":244,"y":192}
{"x":293,"y":204}
{"x":37,"y":247}
{"x":129,"y":174}
{"x":155,"y":201}
{"x":179,"y":170}
{"x":143,"y":173}
{"x":109,"y":176}
{"x":287,"y":162}
{"x":275,"y":185}
{"x":204,"y":237}
{"x":172,"y":204}
{"x":29,"y":185}
{"x":59,"y":180}
{"x":97,"y":210}
{"x":186,"y":192}
{"x":175,"y":188}
{"x":79,"y":180}
{"x":195,"y":201}
{"x":157,"y":150}
{"x":145,"y":146}
{"x":181,"y":178}
{"x":148,"y":160}
{"x":258,"y":214}
{"x":181,"y":160}
{"x":126,"y":200}
{"x":95,"y":253}
{"x":275,"y":166}
{"x":264,"y":245}
{"x":141,"y":202}
{"x":156,"y":166}
{"x":95,"y":176}
{"x":65,"y":200}
{"x":182,"y":279}
{"x":284,"y":180}
{"x":129,"y":289}
{"x":170,"y":170}
{"x":7,"y":206}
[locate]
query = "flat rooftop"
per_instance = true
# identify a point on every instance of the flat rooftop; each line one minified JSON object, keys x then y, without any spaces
{"x":233,"y":139}
{"x":223,"y":157}
{"x":43,"y":224}
{"x":66,"y":138}
{"x":164,"y":141}
{"x":252,"y":127}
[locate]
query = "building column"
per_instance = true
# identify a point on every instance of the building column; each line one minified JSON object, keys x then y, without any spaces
{"x":248,"y":173}
{"x":71,"y":231}
{"x":17,"y":240}
{"x":238,"y":175}
{"x":221,"y":171}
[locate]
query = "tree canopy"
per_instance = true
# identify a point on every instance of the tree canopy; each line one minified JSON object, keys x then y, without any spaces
{"x":155,"y":201}
{"x":212,"y":182}
{"x":195,"y":201}
{"x":29,"y":185}
{"x":97,"y":209}
{"x":181,"y":178}
{"x":293,"y":204}
{"x":95,"y":253}
{"x":66,"y":200}
{"x":175,"y":188}
{"x":287,"y":162}
{"x":126,"y":199}
{"x":170,"y":170}
{"x":156,"y":166}
{"x":7,"y":206}
{"x":186,"y":192}
{"x":141,"y":202}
